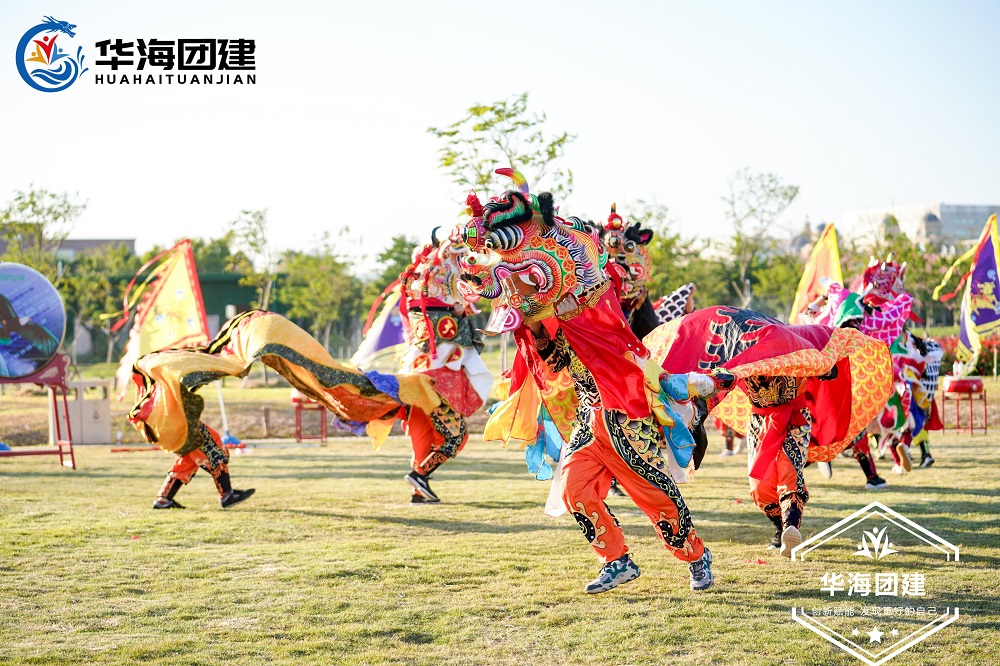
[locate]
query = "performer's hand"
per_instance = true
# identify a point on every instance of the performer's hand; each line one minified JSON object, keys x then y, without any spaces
{"x":700,"y":385}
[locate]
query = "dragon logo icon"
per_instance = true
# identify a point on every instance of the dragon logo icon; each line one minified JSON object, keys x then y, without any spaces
{"x":53,"y":68}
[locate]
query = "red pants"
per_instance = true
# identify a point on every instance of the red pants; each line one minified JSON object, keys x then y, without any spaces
{"x":431,"y":446}
{"x":586,"y":477}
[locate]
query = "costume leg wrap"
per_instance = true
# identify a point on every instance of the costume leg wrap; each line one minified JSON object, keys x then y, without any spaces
{"x":863,"y":454}
{"x":773,"y":513}
{"x":214,"y":459}
{"x":451,"y":425}
{"x":170,"y":487}
{"x":792,"y":493}
{"x":436,"y":437}
{"x":792,"y":505}
{"x":432,"y":462}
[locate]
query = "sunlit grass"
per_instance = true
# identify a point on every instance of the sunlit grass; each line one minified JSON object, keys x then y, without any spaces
{"x":328,"y":564}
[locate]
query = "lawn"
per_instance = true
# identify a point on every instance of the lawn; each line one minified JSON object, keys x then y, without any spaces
{"x":328,"y":564}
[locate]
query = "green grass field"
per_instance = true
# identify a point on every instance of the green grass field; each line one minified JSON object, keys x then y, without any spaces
{"x":328,"y":564}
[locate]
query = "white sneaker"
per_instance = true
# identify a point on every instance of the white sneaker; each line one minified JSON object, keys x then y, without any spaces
{"x":826,"y":469}
{"x":903,"y":451}
{"x":790,"y":538}
{"x":726,"y":452}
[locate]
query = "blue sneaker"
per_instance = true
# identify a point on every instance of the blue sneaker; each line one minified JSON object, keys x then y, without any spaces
{"x":613,"y":574}
{"x":701,"y":572}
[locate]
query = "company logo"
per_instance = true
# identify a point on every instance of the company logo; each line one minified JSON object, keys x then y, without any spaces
{"x":875,"y":544}
{"x":885,"y":602}
{"x":47,"y":57}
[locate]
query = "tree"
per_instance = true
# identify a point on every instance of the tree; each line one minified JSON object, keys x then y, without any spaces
{"x":393,"y":259}
{"x":775,"y":278}
{"x":211,"y":255}
{"x":502,"y":134}
{"x":93,"y":288}
{"x":33,"y":226}
{"x":320,"y":291}
{"x":254,"y":257}
{"x":675,"y":261}
{"x":754,"y":203}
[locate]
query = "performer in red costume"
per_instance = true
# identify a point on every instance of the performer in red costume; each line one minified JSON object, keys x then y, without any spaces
{"x":549,"y":286}
{"x":443,"y":345}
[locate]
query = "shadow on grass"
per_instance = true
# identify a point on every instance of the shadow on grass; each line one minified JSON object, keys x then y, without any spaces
{"x":455,"y":526}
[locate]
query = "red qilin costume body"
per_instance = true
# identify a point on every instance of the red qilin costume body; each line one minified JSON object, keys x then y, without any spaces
{"x":801,"y":393}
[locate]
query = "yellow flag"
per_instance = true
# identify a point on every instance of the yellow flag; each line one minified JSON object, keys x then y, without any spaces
{"x":169,"y":311}
{"x":822,"y":268}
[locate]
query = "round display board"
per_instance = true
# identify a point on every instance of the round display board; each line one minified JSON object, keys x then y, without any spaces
{"x":32,"y":321}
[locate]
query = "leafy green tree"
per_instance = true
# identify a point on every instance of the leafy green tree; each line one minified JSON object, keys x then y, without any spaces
{"x":33,"y":226}
{"x":321,"y":292}
{"x":254,"y":256}
{"x":774,"y":280}
{"x":753,"y":205}
{"x":211,"y":255}
{"x":93,"y":288}
{"x":504,"y":134}
{"x":392,"y":260}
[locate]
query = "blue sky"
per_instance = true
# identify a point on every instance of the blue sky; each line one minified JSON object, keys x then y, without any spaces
{"x":861,"y":104}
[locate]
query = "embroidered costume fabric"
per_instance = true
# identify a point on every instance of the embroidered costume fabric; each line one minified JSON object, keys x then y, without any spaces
{"x":747,"y":343}
{"x":168,"y":409}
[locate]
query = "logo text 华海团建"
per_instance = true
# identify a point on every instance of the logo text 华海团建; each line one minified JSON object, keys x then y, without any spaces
{"x":880,"y":595}
{"x":47,"y":57}
{"x":179,"y":61}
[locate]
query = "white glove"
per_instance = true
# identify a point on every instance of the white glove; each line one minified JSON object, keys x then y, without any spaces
{"x":700,"y":385}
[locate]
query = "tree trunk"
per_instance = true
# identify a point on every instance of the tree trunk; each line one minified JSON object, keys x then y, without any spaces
{"x":111,"y":342}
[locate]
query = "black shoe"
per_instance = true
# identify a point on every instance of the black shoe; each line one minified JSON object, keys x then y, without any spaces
{"x":234,"y":497}
{"x":417,"y":498}
{"x":926,"y":462}
{"x":421,"y":484}
{"x":875,"y":483}
{"x":775,"y":540}
{"x":164,"y":503}
{"x":616,"y":490}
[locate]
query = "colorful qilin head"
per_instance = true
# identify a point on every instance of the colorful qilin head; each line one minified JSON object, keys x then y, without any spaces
{"x":434,"y":277}
{"x":883,"y":281}
{"x":627,"y":244}
{"x":526,"y":258}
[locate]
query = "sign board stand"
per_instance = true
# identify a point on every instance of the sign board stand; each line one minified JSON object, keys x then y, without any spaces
{"x":53,"y":377}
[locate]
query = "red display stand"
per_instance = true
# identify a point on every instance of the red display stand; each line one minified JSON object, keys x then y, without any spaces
{"x":52,"y":376}
{"x":303,"y":404}
{"x":968,"y":390}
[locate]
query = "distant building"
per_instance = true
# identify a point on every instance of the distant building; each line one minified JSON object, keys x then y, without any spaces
{"x":77,"y":247}
{"x":939,"y":225}
{"x":72,"y":248}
